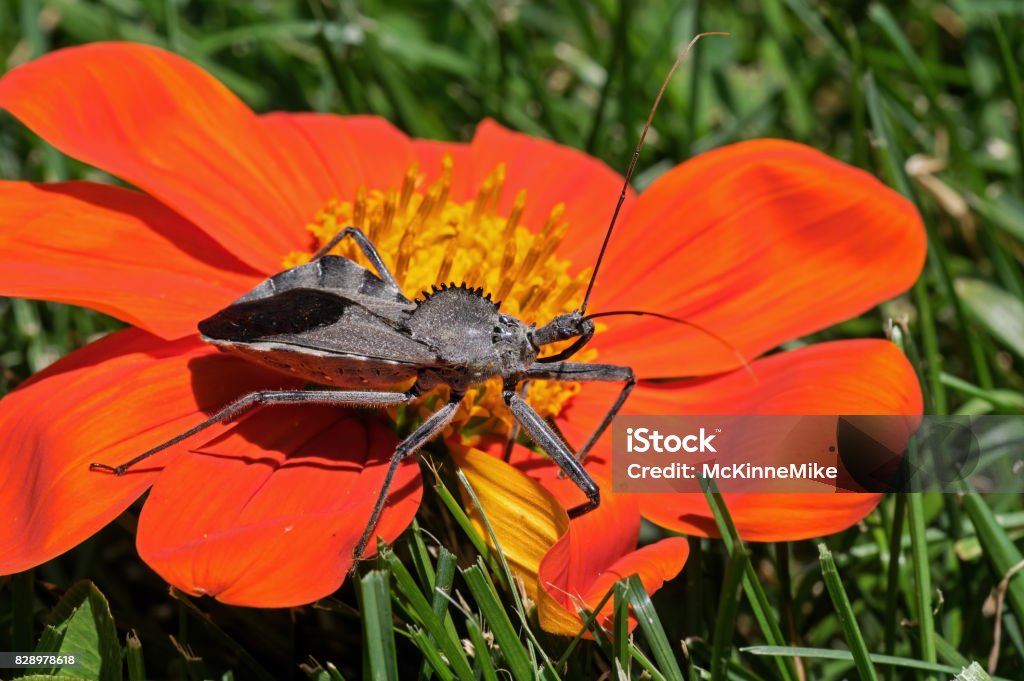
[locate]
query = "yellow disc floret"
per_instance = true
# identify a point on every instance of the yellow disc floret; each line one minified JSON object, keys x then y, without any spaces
{"x":427,"y":238}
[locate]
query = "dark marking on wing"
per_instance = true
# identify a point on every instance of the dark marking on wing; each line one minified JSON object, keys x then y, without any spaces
{"x":319,"y":321}
{"x":288,"y":313}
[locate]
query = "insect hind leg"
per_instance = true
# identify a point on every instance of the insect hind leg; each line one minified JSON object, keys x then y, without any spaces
{"x":555,"y":447}
{"x":410,"y":445}
{"x":264,"y":398}
{"x":513,"y":433}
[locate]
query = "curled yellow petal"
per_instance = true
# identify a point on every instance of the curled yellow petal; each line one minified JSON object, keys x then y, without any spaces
{"x":527,"y":521}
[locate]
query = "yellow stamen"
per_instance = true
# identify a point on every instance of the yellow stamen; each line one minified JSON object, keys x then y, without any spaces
{"x":359,"y":214}
{"x":427,"y":238}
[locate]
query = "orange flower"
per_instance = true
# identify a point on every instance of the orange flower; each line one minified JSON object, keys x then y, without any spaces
{"x":762,"y":242}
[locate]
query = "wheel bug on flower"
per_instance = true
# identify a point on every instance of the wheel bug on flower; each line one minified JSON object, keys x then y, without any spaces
{"x":352,"y":330}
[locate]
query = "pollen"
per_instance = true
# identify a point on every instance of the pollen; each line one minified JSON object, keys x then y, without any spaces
{"x":426,"y":238}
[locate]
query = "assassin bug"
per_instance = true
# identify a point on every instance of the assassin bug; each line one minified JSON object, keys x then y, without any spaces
{"x":337,"y":324}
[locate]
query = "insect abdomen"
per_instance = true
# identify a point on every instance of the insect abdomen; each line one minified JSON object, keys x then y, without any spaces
{"x":338,"y":371}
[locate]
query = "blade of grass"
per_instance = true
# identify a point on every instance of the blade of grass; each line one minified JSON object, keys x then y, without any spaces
{"x":1007,"y":400}
{"x":725,"y":624}
{"x":848,"y":621}
{"x":374,"y":587}
{"x":1011,"y":75}
{"x":334,"y":673}
{"x":1000,"y":550}
{"x":883,"y":18}
{"x":258,"y":671}
{"x":133,"y":656}
{"x":451,"y":647}
{"x":857,"y":108}
{"x":617,"y":54}
{"x":501,"y":626}
{"x":512,"y":31}
{"x":620,"y":626}
{"x":589,"y":621}
{"x":347,"y":88}
{"x":650,"y":625}
{"x":922,"y":573}
{"x":947,"y":653}
{"x":432,"y":659}
{"x":443,"y":584}
{"x":892,"y":582}
{"x":420,"y":556}
{"x":601,"y":637}
{"x":481,"y":651}
{"x":759,"y":603}
{"x":998,"y":311}
{"x":700,"y":652}
{"x":831,"y":654}
{"x":646,"y":663}
{"x":462,"y":520}
{"x":812,"y":19}
{"x":938,"y":258}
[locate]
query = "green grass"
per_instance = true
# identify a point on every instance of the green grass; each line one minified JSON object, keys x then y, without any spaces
{"x":899,"y":597}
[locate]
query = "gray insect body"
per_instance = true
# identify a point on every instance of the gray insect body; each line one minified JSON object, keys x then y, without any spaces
{"x":354,"y":331}
{"x":337,"y":324}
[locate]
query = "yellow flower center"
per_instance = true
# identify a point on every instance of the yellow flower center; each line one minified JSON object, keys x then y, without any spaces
{"x":426,"y":238}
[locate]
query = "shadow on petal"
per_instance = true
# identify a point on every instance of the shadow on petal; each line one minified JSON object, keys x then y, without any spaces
{"x":107,"y":402}
{"x":268,"y":514}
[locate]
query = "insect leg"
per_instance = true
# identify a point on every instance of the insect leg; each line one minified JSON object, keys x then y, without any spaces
{"x":513,"y":433}
{"x":368,"y":249}
{"x":419,"y":437}
{"x":580,"y":371}
{"x":341,"y":398}
{"x":553,"y":445}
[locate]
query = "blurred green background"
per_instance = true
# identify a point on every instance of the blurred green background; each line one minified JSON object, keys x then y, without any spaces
{"x":927,"y":95}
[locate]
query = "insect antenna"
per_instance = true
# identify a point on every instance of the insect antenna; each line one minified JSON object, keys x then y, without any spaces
{"x":632,"y":164}
{"x":693,"y":325}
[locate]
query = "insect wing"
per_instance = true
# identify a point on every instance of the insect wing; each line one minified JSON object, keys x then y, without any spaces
{"x":317,"y":322}
{"x":337,"y":275}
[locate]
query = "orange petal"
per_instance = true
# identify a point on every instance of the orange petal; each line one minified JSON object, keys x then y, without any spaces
{"x":268,"y":515}
{"x":551,"y":174}
{"x":116,"y":251}
{"x":466,"y":178}
{"x":842,"y":377}
{"x":106,"y":402}
{"x":760,"y":242}
{"x":598,"y":550}
{"x":565,"y":565}
{"x":340,"y":153}
{"x":163,"y":124}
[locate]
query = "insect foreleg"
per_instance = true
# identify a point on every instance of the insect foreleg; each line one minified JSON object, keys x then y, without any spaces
{"x":553,"y":445}
{"x":580,"y":371}
{"x":263,"y":398}
{"x":368,"y":249}
{"x":419,"y":437}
